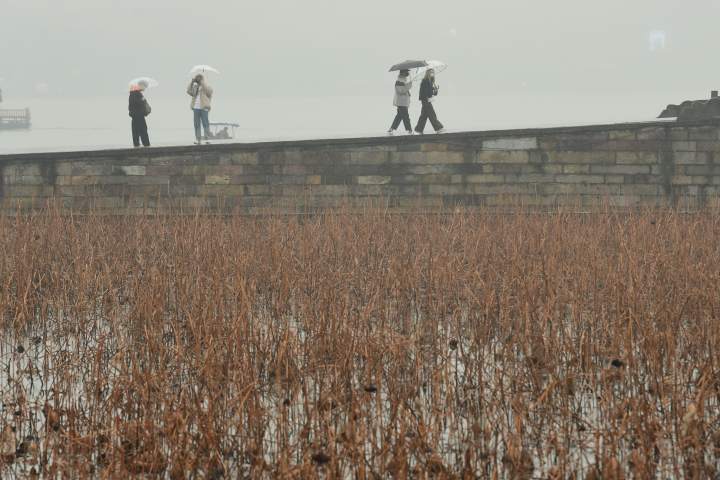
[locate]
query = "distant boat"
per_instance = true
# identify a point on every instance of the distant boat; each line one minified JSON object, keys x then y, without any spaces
{"x":14,"y":119}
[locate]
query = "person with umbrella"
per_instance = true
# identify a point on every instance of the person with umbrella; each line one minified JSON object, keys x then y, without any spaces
{"x":428,"y":92}
{"x":200,"y":104}
{"x":138,"y":109}
{"x":403,"y":85}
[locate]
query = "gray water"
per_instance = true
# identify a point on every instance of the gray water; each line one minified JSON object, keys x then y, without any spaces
{"x":63,"y":124}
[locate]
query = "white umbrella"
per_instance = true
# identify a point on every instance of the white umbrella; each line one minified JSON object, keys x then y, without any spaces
{"x":144,"y":82}
{"x":202,"y":69}
{"x":436,"y":65}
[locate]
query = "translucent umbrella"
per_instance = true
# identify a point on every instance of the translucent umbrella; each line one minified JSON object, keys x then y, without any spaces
{"x":203,"y":69}
{"x":143,"y":82}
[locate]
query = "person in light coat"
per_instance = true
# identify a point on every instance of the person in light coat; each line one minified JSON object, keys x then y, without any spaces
{"x":403,"y":85}
{"x":200,"y":104}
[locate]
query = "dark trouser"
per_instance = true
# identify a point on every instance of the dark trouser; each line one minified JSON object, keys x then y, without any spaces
{"x":428,"y":113}
{"x":402,"y":116}
{"x":201,"y":117}
{"x":139,"y":131}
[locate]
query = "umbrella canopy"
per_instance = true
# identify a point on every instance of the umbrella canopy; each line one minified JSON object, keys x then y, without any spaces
{"x":436,"y":65}
{"x":141,"y":83}
{"x":202,"y":69}
{"x":408,"y":65}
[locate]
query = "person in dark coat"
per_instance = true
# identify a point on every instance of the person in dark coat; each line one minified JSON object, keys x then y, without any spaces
{"x":139,"y":108}
{"x":428,"y":92}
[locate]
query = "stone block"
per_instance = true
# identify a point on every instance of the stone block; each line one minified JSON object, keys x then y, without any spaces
{"x":708,"y":146}
{"x":511,"y":143}
{"x":619,"y":169}
{"x":636,"y":158}
{"x":332,"y":190}
{"x":458,"y":189}
{"x":575,"y":169}
{"x":684,"y":146}
{"x":131,"y":170}
{"x":244,"y":158}
{"x":220,"y":190}
{"x":257,"y":189}
{"x":600,"y":157}
{"x":579,"y":178}
{"x":512,"y":156}
{"x":25,"y":180}
{"x":691,"y":158}
{"x":89,"y":169}
{"x":622,"y":135}
{"x":530,"y":178}
{"x":217,"y":179}
{"x":580,"y":141}
{"x":369,"y":157}
{"x":678,"y":133}
{"x":431,"y":169}
{"x":484,"y":178}
{"x":651,"y":133}
{"x":28,"y":191}
{"x":97,"y":180}
{"x":701,"y":169}
{"x":505,"y":189}
{"x":434,"y":147}
{"x":427,"y":158}
{"x":704,"y":133}
{"x":426,"y":179}
{"x":681,"y":180}
{"x":373,"y":180}
{"x":614,"y":178}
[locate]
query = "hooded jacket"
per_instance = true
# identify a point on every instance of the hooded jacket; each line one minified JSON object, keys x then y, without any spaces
{"x":137,"y":105}
{"x":204,"y":90}
{"x":403,"y":85}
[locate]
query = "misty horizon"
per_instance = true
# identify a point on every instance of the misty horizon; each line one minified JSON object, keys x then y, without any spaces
{"x":79,"y":48}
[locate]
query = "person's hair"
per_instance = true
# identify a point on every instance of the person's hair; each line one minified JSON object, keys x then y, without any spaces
{"x":429,"y":73}
{"x":404,"y":73}
{"x":199,"y":78}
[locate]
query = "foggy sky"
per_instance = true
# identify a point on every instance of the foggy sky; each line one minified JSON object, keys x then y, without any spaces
{"x":298,"y":48}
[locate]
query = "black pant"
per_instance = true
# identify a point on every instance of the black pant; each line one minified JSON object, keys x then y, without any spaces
{"x":139,"y":131}
{"x":428,"y":113}
{"x":402,"y":116}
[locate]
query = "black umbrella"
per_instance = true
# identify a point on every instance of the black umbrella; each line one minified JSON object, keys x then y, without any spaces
{"x":409,"y":65}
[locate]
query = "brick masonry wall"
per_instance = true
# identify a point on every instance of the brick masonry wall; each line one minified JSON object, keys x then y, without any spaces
{"x":651,"y":164}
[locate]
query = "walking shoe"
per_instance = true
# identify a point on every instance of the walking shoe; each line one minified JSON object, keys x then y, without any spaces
{"x":391,"y":132}
{"x":409,"y":132}
{"x":442,"y":130}
{"x":418,"y":132}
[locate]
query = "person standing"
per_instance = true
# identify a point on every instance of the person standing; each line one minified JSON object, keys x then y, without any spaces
{"x":428,"y":92}
{"x":200,"y":104}
{"x":139,"y":108}
{"x":403,"y":85}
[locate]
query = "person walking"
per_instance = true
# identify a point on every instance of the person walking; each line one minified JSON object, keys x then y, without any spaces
{"x":428,"y":92}
{"x":139,"y":108}
{"x":200,"y":104}
{"x":403,"y":85}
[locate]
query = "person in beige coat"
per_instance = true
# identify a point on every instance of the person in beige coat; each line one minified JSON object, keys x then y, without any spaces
{"x":200,"y":104}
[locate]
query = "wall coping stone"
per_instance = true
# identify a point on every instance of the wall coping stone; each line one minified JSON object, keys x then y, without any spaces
{"x":128,"y":154}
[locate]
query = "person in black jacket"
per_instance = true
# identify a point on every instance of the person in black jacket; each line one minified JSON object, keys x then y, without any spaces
{"x":139,"y":108}
{"x":428,"y":92}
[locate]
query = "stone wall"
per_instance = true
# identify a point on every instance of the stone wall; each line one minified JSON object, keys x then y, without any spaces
{"x":651,"y":164}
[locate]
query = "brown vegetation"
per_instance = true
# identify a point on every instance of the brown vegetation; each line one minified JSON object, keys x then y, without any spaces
{"x":467,"y":345}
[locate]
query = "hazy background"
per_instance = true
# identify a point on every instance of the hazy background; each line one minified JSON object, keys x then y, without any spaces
{"x":312,"y":68}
